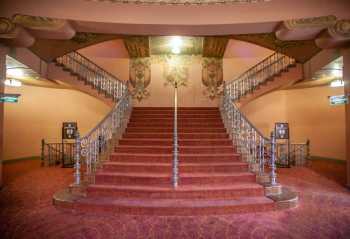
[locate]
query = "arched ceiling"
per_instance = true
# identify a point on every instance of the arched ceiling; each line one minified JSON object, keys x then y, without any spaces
{"x":297,"y":28}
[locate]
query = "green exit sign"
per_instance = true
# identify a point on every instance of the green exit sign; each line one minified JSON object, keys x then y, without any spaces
{"x":9,"y":98}
{"x":338,"y":100}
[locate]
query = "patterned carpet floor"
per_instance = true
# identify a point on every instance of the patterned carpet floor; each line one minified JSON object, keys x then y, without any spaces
{"x":26,"y":211}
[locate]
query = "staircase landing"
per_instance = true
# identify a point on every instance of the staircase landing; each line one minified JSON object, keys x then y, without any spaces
{"x":137,"y":177}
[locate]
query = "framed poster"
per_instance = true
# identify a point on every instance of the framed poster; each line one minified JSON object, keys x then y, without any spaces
{"x":282,"y":130}
{"x":69,"y":129}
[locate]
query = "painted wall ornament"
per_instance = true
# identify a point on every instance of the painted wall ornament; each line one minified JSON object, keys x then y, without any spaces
{"x":212,"y":76}
{"x":175,"y":70}
{"x":140,"y":77}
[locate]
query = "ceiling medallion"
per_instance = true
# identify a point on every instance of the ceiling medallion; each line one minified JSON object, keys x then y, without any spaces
{"x":182,"y":2}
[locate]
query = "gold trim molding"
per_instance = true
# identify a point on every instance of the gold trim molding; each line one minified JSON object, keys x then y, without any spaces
{"x":340,"y":30}
{"x":323,"y":21}
{"x":39,"y":23}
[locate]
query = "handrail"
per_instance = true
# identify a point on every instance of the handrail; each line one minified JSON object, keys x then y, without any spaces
{"x":255,"y":148}
{"x":93,"y":74}
{"x":98,"y":142}
{"x":250,"y":142}
{"x":176,"y":143}
{"x":258,"y":74}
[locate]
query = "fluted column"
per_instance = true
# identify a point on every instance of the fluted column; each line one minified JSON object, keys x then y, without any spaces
{"x":346,"y":77}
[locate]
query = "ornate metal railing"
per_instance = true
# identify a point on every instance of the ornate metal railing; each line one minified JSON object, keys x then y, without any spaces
{"x":98,"y":143}
{"x":254,"y":147}
{"x":258,"y":75}
{"x":176,"y":143}
{"x":53,"y":154}
{"x":296,"y":155}
{"x":94,"y":147}
{"x":92,"y":74}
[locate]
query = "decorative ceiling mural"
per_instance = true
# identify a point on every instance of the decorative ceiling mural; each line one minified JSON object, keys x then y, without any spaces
{"x":212,"y":76}
{"x":163,"y":45}
{"x":182,"y":2}
{"x":137,"y":46}
{"x":302,"y":51}
{"x":140,"y":77}
{"x":214,"y":46}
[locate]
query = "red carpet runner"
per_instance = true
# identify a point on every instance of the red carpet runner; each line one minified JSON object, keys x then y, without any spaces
{"x":137,"y":178}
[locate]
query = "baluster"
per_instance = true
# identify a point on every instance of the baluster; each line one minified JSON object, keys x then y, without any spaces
{"x":273,"y":174}
{"x":77,"y":159}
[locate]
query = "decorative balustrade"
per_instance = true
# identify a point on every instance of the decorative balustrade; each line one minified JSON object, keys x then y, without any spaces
{"x":92,"y":149}
{"x":250,"y":142}
{"x":93,"y":75}
{"x":297,"y":154}
{"x":53,"y":154}
{"x":256,"y":149}
{"x":258,"y":75}
{"x":98,"y":143}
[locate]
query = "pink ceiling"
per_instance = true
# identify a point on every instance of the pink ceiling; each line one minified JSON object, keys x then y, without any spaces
{"x":108,"y":49}
{"x":241,"y":49}
{"x":158,"y":19}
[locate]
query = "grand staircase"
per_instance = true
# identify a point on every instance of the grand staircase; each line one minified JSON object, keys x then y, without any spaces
{"x":137,"y":177}
{"x":221,"y":155}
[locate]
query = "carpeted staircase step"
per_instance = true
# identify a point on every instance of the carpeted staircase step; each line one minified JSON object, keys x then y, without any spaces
{"x":146,"y":116}
{"x":171,"y":135}
{"x":169,"y":142}
{"x":180,"y":120}
{"x":166,"y":158}
{"x":180,"y":207}
{"x":165,"y":178}
{"x":209,"y":191}
{"x":159,"y":167}
{"x":169,"y":124}
{"x":169,"y":149}
{"x":144,"y":129}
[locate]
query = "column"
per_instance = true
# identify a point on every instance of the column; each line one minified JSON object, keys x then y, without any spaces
{"x":346,"y":77}
{"x":3,"y":52}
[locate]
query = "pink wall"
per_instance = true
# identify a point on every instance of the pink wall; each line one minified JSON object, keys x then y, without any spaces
{"x":310,"y":117}
{"x":40,"y":113}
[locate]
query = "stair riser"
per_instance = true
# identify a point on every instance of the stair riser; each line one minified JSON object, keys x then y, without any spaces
{"x":171,"y":116}
{"x":164,"y":159}
{"x":180,"y":120}
{"x":172,"y":211}
{"x":180,"y":124}
{"x":166,"y":181}
{"x":182,"y":169}
{"x":170,"y":136}
{"x":215,"y":194}
{"x":133,"y":129}
{"x":170,"y":142}
{"x":155,"y":150}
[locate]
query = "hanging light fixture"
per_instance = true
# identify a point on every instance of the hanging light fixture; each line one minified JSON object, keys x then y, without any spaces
{"x":176,"y":43}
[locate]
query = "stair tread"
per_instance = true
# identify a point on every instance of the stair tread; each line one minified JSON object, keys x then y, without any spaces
{"x":183,"y":175}
{"x":174,"y":203}
{"x":182,"y":164}
{"x":180,"y":154}
{"x":180,"y":188}
{"x":167,"y":147}
{"x":171,"y":140}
